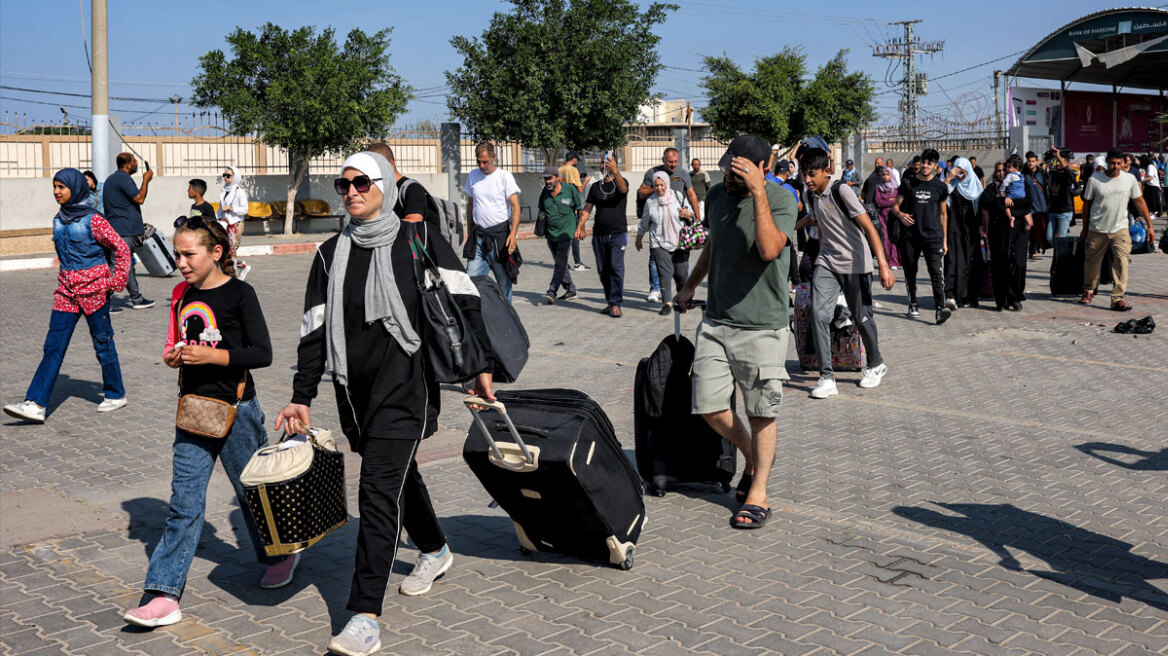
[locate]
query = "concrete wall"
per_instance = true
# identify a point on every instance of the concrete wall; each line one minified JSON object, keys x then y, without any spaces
{"x":28,"y":202}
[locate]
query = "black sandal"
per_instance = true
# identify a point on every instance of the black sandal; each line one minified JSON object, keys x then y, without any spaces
{"x":743,"y":488}
{"x":756,"y":514}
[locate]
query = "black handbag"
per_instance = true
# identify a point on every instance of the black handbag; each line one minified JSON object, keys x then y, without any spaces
{"x":541,"y":224}
{"x":451,"y":348}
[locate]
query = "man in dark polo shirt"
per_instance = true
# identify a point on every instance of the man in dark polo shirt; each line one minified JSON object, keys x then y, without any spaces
{"x":123,"y":209}
{"x":559,"y":202}
{"x":609,"y":199}
{"x":743,"y":339}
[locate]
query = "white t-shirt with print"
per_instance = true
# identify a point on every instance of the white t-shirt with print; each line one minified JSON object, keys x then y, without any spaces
{"x":490,"y":194}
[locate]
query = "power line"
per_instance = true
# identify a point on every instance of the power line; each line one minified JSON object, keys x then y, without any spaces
{"x":964,"y":70}
{"x":85,"y":95}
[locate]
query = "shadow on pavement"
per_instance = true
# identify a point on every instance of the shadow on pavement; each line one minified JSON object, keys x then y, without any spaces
{"x":68,"y":387}
{"x":327,"y":565}
{"x":1147,"y":460}
{"x":1090,"y":562}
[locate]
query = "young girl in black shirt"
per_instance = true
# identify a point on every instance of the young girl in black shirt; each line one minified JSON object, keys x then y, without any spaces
{"x":217,"y":335}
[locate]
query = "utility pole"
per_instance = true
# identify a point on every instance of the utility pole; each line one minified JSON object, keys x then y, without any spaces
{"x":998,"y":106}
{"x":914,"y":84}
{"x":103,"y":161}
{"x":176,"y":99}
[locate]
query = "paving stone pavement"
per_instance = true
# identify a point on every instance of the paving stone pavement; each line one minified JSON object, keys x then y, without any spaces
{"x":1002,"y":492}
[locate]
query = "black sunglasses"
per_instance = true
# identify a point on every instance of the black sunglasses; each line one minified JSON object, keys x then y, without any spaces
{"x":361,"y":182}
{"x":192,"y":222}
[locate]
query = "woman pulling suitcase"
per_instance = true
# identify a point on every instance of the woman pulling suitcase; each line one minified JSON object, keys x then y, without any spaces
{"x":362,"y":315}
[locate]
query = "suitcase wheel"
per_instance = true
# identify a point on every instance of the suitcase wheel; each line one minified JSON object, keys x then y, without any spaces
{"x":657,"y":491}
{"x":627,"y":564}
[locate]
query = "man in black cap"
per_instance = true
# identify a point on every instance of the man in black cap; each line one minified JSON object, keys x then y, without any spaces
{"x":851,"y":177}
{"x":743,"y":339}
{"x":559,"y":203}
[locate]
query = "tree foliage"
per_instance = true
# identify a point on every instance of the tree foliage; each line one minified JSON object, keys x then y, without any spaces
{"x":558,"y":73}
{"x":778,"y":103}
{"x":299,"y":91}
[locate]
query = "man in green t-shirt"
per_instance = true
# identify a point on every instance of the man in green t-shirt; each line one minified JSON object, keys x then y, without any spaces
{"x":559,"y":203}
{"x":743,"y":340}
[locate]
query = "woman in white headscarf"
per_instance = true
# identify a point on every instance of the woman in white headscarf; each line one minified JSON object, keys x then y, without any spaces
{"x":662,"y":219}
{"x":233,"y":204}
{"x":362,"y":314}
{"x":963,"y":263}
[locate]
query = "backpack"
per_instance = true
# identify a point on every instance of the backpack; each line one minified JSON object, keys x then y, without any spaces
{"x":839,"y":203}
{"x":441,"y":213}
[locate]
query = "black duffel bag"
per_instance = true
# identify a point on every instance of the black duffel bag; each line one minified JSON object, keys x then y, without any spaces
{"x":451,"y":347}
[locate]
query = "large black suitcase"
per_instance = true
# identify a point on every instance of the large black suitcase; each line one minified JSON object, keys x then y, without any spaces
{"x":505,"y":332}
{"x":551,"y":459}
{"x":674,"y":446}
{"x":156,"y":254}
{"x":1067,"y":267}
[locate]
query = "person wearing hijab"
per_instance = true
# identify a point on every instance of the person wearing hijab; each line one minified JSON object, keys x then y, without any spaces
{"x":662,"y":219}
{"x":1007,"y":241}
{"x":362,"y":314}
{"x":233,"y":206}
{"x":84,"y":241}
{"x":885,"y":199}
{"x":963,"y":265}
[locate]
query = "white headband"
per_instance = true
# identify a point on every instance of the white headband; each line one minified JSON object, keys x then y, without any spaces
{"x":365,"y":163}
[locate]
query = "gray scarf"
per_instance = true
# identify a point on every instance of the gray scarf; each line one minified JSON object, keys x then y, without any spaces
{"x":383,"y":301}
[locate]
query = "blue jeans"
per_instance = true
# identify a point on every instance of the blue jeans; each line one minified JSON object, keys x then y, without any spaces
{"x":576,"y":252}
{"x":654,"y":279}
{"x":61,"y":327}
{"x":1058,"y":225}
{"x":610,"y":264}
{"x":194,"y":460}
{"x":485,"y":261}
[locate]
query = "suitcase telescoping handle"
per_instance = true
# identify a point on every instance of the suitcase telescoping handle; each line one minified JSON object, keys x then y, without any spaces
{"x":476,"y":404}
{"x":677,"y":317}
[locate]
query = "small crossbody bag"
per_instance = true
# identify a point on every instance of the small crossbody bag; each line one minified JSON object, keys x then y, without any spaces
{"x":203,"y":415}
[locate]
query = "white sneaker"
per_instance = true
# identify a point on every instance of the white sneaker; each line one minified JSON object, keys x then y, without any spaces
{"x":242,"y":270}
{"x":109,"y":405}
{"x":360,"y":637}
{"x":873,"y":376}
{"x":429,"y":567}
{"x":27,"y":410}
{"x":654,"y":297}
{"x":951,"y":304}
{"x":825,"y":388}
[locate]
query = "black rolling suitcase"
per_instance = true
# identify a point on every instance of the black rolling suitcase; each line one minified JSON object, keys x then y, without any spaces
{"x":1066,"y":268}
{"x":156,"y":254}
{"x":674,"y":446}
{"x":551,"y":459}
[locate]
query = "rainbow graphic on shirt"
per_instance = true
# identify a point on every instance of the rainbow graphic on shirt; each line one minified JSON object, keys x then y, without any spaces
{"x":210,"y":335}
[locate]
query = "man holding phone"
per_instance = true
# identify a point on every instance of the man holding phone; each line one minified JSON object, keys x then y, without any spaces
{"x":609,"y":200}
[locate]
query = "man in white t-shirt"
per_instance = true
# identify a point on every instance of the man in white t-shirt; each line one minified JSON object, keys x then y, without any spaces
{"x":492,"y":218}
{"x":1105,"y":203}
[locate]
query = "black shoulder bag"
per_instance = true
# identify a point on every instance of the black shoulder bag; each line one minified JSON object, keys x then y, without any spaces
{"x":451,"y":348}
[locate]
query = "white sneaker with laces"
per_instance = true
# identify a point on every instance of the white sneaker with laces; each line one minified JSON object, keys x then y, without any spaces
{"x":429,"y":567}
{"x":825,"y":388}
{"x":873,"y":376}
{"x":26,"y":410}
{"x":109,"y":405}
{"x":951,"y":304}
{"x":654,"y":297}
{"x":360,"y":637}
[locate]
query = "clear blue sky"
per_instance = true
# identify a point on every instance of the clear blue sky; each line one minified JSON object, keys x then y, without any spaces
{"x":155,"y":46}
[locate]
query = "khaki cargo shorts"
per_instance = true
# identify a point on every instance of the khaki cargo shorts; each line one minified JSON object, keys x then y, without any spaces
{"x":753,"y":359}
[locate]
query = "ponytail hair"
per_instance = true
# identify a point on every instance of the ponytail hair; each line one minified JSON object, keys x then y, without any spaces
{"x":210,"y":234}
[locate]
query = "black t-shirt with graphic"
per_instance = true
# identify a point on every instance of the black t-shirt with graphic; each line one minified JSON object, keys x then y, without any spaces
{"x":922,"y":199}
{"x":229,"y":318}
{"x":204,"y":208}
{"x":609,"y":208}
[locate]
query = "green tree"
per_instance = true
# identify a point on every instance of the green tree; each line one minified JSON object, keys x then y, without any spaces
{"x":299,"y":91}
{"x":777,"y":102}
{"x":558,"y":73}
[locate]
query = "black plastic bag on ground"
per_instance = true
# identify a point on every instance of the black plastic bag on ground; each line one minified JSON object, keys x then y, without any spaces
{"x":1143,"y":326}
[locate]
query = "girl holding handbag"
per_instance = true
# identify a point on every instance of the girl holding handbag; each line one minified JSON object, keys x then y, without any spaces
{"x":217,"y":334}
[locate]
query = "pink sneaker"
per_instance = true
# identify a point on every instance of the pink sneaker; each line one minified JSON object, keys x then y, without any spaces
{"x":280,"y":574}
{"x":162,"y":610}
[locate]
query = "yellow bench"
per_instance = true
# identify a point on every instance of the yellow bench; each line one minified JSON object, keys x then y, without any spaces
{"x":314,"y":208}
{"x":258,"y":210}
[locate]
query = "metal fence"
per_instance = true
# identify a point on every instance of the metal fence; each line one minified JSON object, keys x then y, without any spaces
{"x":940,"y":135}
{"x":198,"y":144}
